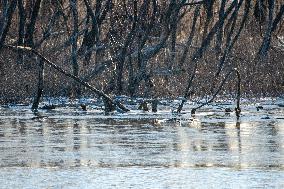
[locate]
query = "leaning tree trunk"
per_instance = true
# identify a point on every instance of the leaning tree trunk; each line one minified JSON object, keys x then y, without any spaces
{"x":190,"y":37}
{"x":198,"y":54}
{"x":77,"y":79}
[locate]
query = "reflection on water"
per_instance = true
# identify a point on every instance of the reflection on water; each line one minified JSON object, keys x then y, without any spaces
{"x":201,"y":147}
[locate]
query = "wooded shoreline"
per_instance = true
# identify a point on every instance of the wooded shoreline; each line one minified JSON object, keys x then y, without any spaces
{"x":144,"y":48}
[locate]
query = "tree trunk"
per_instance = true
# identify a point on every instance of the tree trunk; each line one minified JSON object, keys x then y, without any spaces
{"x":22,"y":21}
{"x":75,"y":65}
{"x":31,"y":26}
{"x":267,"y":37}
{"x":190,"y":37}
{"x":6,"y":26}
{"x":57,"y":68}
{"x":40,"y":85}
{"x":199,"y":53}
{"x":219,"y":36}
{"x":3,"y":16}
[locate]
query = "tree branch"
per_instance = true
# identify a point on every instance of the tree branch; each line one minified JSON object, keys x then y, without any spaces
{"x":77,"y":79}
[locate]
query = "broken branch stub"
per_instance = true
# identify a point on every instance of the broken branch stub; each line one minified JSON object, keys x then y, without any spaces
{"x":238,"y":109}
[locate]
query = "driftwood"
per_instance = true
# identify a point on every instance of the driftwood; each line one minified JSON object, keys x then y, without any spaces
{"x":77,"y":79}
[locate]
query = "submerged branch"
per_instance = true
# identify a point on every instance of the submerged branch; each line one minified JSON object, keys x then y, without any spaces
{"x":237,"y":109}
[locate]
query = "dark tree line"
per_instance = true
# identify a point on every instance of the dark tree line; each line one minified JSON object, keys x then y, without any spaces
{"x":142,"y":47}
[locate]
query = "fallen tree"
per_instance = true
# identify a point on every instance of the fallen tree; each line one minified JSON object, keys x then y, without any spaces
{"x":108,"y":101}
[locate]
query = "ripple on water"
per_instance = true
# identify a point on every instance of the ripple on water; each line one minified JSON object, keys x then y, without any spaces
{"x":90,"y":150}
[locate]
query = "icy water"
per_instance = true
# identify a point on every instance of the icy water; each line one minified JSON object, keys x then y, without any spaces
{"x":69,"y":148}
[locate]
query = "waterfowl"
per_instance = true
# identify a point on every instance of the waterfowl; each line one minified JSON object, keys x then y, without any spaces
{"x":227,"y":110}
{"x":259,"y":108}
{"x":48,"y":107}
{"x":84,"y":107}
{"x":143,"y":106}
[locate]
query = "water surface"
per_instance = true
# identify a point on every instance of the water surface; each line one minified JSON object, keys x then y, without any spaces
{"x":69,"y":148}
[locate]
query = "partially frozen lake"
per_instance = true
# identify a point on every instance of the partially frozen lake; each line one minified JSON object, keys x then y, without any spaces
{"x":70,"y":148}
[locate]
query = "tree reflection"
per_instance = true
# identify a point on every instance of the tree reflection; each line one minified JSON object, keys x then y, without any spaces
{"x":77,"y":143}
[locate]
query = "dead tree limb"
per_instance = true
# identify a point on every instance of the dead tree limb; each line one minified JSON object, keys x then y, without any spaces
{"x":237,"y":109}
{"x":57,"y":68}
{"x":194,"y":3}
{"x":214,"y":95}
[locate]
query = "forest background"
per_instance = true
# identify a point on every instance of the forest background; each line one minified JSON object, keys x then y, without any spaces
{"x":140,"y":48}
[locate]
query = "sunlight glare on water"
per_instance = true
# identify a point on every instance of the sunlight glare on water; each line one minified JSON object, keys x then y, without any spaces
{"x":87,"y":150}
